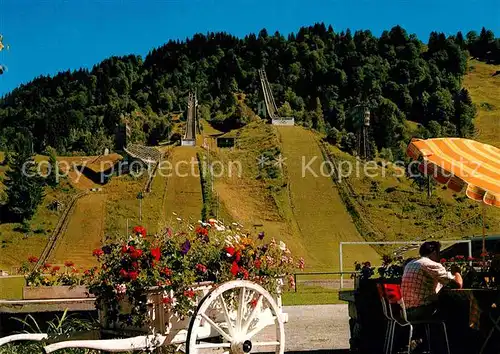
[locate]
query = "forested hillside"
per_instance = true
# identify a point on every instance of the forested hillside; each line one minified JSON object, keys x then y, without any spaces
{"x":317,"y":74}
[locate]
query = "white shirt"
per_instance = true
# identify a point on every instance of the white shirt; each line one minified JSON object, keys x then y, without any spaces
{"x":422,"y":280}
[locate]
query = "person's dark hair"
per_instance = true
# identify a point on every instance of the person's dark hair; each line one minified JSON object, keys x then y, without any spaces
{"x":428,"y":247}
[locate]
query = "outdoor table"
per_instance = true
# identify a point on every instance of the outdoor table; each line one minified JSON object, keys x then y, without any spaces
{"x":470,"y":316}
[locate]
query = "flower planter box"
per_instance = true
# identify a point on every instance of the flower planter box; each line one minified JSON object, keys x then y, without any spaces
{"x":162,"y":318}
{"x":55,"y":292}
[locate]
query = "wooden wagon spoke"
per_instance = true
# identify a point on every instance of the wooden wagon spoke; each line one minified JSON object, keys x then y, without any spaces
{"x":216,"y":327}
{"x":241,"y":304}
{"x":244,"y":309}
{"x":212,"y":345}
{"x":265,"y":344}
{"x":253,"y":314}
{"x":260,"y":327}
{"x":230,"y":325}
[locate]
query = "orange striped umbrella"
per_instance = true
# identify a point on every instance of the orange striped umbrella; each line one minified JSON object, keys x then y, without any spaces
{"x":461,"y":164}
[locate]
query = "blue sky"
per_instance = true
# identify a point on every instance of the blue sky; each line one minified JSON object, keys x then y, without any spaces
{"x":47,"y":36}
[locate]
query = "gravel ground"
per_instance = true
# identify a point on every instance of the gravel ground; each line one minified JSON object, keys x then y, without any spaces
{"x":317,"y":327}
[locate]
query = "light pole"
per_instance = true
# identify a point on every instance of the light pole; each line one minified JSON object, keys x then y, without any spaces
{"x":140,"y":196}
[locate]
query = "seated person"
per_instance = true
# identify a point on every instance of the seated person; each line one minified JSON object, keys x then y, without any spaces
{"x":422,"y":279}
{"x":495,"y":265}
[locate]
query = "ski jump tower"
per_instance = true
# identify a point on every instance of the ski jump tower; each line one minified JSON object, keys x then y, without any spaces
{"x":189,"y":138}
{"x":272,"y":110}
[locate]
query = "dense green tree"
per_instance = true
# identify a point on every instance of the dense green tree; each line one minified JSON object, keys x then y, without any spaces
{"x":24,"y":186}
{"x":312,"y":70}
{"x":53,"y":169}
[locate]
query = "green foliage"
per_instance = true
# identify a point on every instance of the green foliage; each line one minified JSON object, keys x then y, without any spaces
{"x":52,"y":176}
{"x":24,"y":186}
{"x":317,"y":75}
{"x":174,"y":261}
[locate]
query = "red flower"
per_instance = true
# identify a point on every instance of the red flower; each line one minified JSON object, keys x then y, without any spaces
{"x":124,"y":274}
{"x":452,"y":259}
{"x":201,"y":231}
{"x":47,"y":265}
{"x":253,"y":303}
{"x":238,"y":256}
{"x":86,"y":272}
{"x":235,"y":269}
{"x":257,"y":263}
{"x":230,"y":251}
{"x":135,"y":265}
{"x":200,"y":267}
{"x":167,"y":282}
{"x":470,"y":258}
{"x":139,"y":230}
{"x":136,"y":253}
{"x":32,"y":259}
{"x":245,"y":273}
{"x":97,"y":252}
{"x":69,"y":264}
{"x":167,"y":271}
{"x":167,"y":300}
{"x":156,"y":253}
{"x":56,"y":268}
{"x":442,"y":260}
{"x":124,"y":249}
{"x":460,"y":258}
{"x":74,"y":270}
{"x":189,"y":293}
{"x":484,"y":254}
{"x":133,"y":275}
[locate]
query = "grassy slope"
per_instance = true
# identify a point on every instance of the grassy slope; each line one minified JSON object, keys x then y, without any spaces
{"x":485,"y":91}
{"x":84,"y":232}
{"x":249,"y":200}
{"x":183,"y":193}
{"x":14,"y":248}
{"x":443,"y":214}
{"x":321,"y":216}
{"x":397,"y":211}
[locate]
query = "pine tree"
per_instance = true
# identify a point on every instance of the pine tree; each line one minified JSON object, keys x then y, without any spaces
{"x":24,"y":187}
{"x":52,"y":176}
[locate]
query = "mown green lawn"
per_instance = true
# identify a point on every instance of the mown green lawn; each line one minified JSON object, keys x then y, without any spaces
{"x":312,"y":295}
{"x":11,"y":288}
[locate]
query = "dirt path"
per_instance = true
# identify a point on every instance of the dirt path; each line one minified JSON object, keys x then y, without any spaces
{"x":320,"y":214}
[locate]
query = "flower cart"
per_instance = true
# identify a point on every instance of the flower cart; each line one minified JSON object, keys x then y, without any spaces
{"x":238,"y":316}
{"x":198,"y":290}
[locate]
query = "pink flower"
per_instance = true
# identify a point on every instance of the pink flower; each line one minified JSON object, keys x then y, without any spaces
{"x":121,"y":289}
{"x":301,"y":264}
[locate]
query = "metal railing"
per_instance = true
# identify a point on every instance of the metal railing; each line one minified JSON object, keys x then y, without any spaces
{"x":341,"y":274}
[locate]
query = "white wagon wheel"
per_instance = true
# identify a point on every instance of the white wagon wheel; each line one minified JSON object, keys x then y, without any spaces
{"x":242,"y":316}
